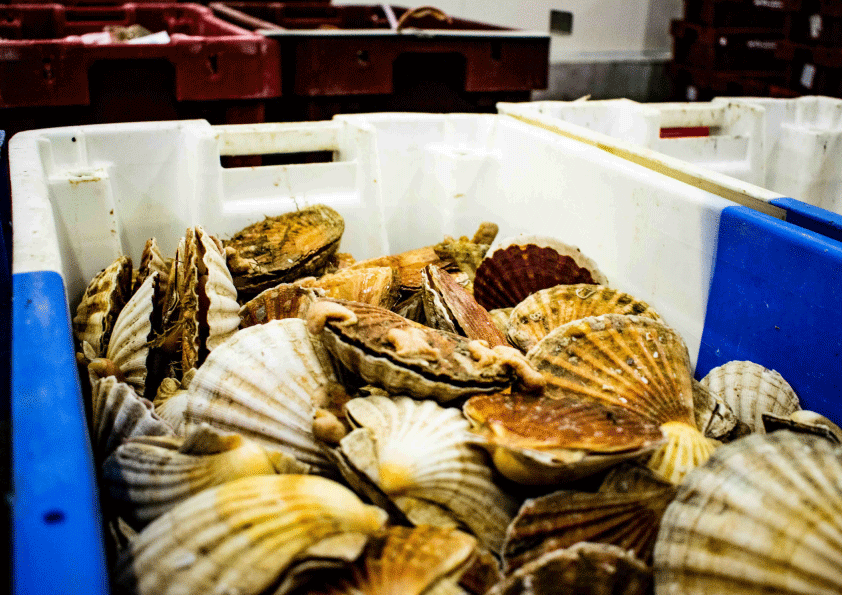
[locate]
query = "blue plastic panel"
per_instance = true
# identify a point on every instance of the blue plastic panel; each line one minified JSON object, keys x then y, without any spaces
{"x":56,"y":532}
{"x":813,"y":218}
{"x":776,"y":299}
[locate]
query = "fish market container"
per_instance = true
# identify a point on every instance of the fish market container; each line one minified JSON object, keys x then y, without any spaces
{"x":735,"y":282}
{"x":53,"y":73}
{"x":731,"y":145}
{"x":379,"y":57}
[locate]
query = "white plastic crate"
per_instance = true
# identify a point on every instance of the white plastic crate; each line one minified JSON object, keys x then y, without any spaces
{"x":82,"y":196}
{"x":789,"y":146}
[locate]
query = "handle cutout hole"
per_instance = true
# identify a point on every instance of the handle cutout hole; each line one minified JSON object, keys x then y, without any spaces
{"x":234,"y":161}
{"x":54,"y":517}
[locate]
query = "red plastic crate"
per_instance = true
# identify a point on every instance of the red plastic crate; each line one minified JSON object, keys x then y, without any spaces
{"x":363,"y":58}
{"x":737,"y":13}
{"x":748,"y":49}
{"x":46,"y":63}
{"x":700,"y":84}
{"x":813,"y":70}
{"x":818,"y":22}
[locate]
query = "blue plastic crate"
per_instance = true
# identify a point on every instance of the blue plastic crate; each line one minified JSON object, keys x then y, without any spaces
{"x":768,"y":290}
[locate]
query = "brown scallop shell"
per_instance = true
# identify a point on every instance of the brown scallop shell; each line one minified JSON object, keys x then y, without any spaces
{"x":402,"y":356}
{"x":285,"y":248}
{"x":547,"y":309}
{"x":584,"y":569}
{"x":507,"y":276}
{"x":555,"y":437}
{"x":101,"y":303}
{"x":408,"y":264}
{"x":449,"y":307}
{"x":629,"y":520}
{"x":466,"y":254}
{"x":378,"y":286}
{"x":286,"y":300}
{"x":152,"y":260}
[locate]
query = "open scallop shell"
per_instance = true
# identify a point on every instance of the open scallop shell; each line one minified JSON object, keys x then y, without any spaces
{"x":147,"y":477}
{"x":583,"y":569}
{"x":547,"y":309}
{"x":286,"y":300}
{"x":804,"y":421}
{"x":751,"y":390}
{"x":627,"y":519}
{"x":285,"y":248}
{"x":101,"y":303}
{"x":763,"y":515}
{"x":554,"y":437}
{"x":118,"y":413}
{"x":424,"y":451}
{"x":266,"y":383}
{"x":136,"y":327}
{"x":378,"y":286}
{"x":152,"y":260}
{"x":405,"y":357}
{"x":631,"y":362}
{"x":241,"y":536}
{"x":515,"y":270}
{"x":409,"y":561}
{"x":449,"y":307}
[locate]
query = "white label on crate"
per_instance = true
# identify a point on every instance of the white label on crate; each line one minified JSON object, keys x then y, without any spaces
{"x":723,"y":41}
{"x":769,"y":3}
{"x":807,"y":76}
{"x":815,"y":26}
{"x":756,"y":44}
{"x":692,"y":93}
{"x":159,"y":38}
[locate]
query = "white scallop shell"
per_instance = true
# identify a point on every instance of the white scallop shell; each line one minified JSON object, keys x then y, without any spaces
{"x":130,"y":339}
{"x":549,"y":242}
{"x":118,"y":413}
{"x":241,"y":537}
{"x":223,"y":311}
{"x":152,"y":260}
{"x":171,"y":403}
{"x":266,"y":383}
{"x":763,"y":515}
{"x":751,"y":390}
{"x":425,"y":451}
{"x":147,"y":477}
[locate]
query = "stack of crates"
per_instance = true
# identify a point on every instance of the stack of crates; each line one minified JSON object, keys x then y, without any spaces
{"x":772,"y":48}
{"x":730,"y":47}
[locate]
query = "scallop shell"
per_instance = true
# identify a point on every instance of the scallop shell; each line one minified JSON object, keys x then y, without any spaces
{"x":424,"y":451}
{"x":282,"y":301}
{"x":241,"y":536}
{"x":583,"y":569}
{"x":804,"y":421}
{"x":378,"y":286}
{"x":405,"y":357}
{"x":627,"y":519}
{"x":555,"y":437}
{"x":266,"y":383}
{"x":408,"y":264}
{"x":631,"y":362}
{"x":750,"y":390}
{"x":763,"y":515}
{"x":467,"y":254}
{"x":549,"y":242}
{"x":512,"y":272}
{"x":101,"y":303}
{"x":412,"y":308}
{"x":117,"y":413}
{"x":547,"y":309}
{"x":171,"y":402}
{"x":409,"y":561}
{"x":449,"y":307}
{"x":136,"y":326}
{"x":147,"y":477}
{"x":500,"y":316}
{"x":285,"y":248}
{"x":152,"y":260}
{"x":210,"y":311}
{"x":713,"y":416}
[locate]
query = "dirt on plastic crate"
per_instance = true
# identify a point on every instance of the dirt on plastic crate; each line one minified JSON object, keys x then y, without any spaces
{"x":369,"y":58}
{"x":737,"y":13}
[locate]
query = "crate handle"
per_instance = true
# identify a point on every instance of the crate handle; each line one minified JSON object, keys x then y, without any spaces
{"x":268,"y":139}
{"x":421,"y":12}
{"x":689,"y":115}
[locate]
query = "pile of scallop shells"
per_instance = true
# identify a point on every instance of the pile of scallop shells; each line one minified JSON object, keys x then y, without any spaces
{"x":269,"y":415}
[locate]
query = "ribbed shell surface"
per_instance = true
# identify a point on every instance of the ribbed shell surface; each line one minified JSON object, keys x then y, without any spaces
{"x":101,"y":303}
{"x":378,"y":286}
{"x":133,"y":332}
{"x":119,"y":413}
{"x":242,"y":536}
{"x":751,"y":390}
{"x":266,"y":383}
{"x":408,"y":264}
{"x":763,"y":515}
{"x":537,"y":315}
{"x":562,"y":248}
{"x":425,"y":451}
{"x":282,"y":301}
{"x":223,"y":314}
{"x":152,"y":260}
